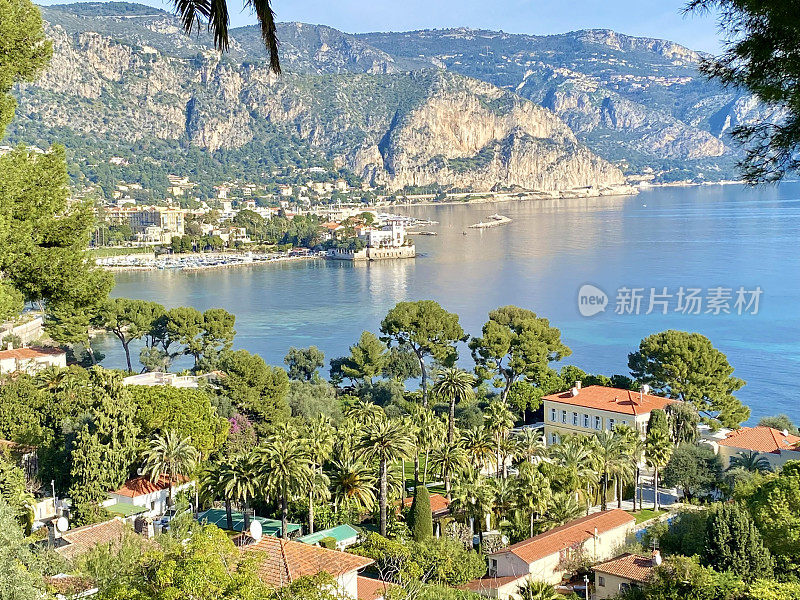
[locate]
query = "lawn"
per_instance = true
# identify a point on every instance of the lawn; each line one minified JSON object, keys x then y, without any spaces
{"x":646,"y":514}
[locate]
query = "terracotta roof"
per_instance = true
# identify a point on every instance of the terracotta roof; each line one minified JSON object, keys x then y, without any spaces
{"x":83,"y":539}
{"x":439,"y":503}
{"x":141,"y":486}
{"x":761,"y":439}
{"x":29,"y":353}
{"x":568,"y":535}
{"x":628,"y":566}
{"x":372,"y":589}
{"x":14,"y":447}
{"x":283,"y":561}
{"x":69,"y":584}
{"x":331,"y":225}
{"x":492,"y":583}
{"x":612,"y":399}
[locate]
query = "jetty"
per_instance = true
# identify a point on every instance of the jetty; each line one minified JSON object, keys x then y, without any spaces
{"x":495,"y":220}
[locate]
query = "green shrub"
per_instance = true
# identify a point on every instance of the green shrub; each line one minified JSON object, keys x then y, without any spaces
{"x":328,"y":542}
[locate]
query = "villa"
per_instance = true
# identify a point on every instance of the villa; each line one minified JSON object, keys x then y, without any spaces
{"x":543,"y":557}
{"x":622,"y":573}
{"x":285,"y":561}
{"x":31,"y":360}
{"x":774,"y":445}
{"x":596,"y":408}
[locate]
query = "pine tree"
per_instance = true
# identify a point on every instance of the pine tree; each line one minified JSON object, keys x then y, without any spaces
{"x":734,"y":544}
{"x":420,"y":519}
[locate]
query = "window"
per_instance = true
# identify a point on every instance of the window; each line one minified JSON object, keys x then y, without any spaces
{"x":575,"y":419}
{"x":563,"y":416}
{"x":586,"y":421}
{"x":493,"y":567}
{"x":598,"y":423}
{"x":601,"y":581}
{"x":624,"y":422}
{"x":554,"y":438}
{"x":611,"y":423}
{"x":553,"y":414}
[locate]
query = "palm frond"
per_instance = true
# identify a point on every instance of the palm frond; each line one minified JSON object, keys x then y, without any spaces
{"x":269,"y":33}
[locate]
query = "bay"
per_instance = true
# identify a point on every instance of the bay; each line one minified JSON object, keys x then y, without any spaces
{"x":702,"y":237}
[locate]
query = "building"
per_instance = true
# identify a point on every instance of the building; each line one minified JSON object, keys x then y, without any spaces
{"x":595,"y":408}
{"x":155,"y":224}
{"x":373,"y":589}
{"x":284,"y":561}
{"x":775,"y":446}
{"x":440,"y":509}
{"x":618,"y":575}
{"x":542,"y":558}
{"x":389,"y":241}
{"x":31,"y":360}
{"x":152,"y":496}
{"x":27,"y":328}
{"x":345,"y":535}
{"x":75,"y":542}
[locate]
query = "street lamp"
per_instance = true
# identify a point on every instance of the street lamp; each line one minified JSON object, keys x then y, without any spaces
{"x":586,"y":586}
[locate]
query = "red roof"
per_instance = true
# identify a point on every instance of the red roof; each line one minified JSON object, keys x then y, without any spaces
{"x":30,"y":353}
{"x":439,"y":503}
{"x":612,"y":399}
{"x":372,"y":589}
{"x":761,"y":439}
{"x":284,"y":561}
{"x":83,"y":539}
{"x":332,"y":225}
{"x":568,"y":535}
{"x":492,"y":583}
{"x":628,"y":566}
{"x":141,"y":486}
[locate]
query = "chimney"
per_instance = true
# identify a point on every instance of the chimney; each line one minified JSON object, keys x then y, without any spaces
{"x":578,"y":384}
{"x":656,"y":558}
{"x":785,"y":433}
{"x":10,"y":346}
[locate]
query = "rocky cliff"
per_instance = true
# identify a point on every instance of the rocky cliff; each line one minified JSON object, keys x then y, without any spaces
{"x":114,"y":81}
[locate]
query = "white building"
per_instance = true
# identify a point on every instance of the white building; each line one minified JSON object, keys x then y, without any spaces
{"x":153,"y":496}
{"x":31,"y":360}
{"x":774,"y":445}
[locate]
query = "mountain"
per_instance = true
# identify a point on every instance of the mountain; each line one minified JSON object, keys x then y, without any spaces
{"x":641,"y":101}
{"x":451,"y":108}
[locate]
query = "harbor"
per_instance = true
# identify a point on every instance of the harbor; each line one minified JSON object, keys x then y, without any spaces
{"x":195,"y":262}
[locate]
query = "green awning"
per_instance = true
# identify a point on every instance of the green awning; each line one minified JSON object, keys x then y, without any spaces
{"x":218,"y":517}
{"x":340,"y":533}
{"x":125,"y":510}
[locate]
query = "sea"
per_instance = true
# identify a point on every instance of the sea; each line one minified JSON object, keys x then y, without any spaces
{"x":721,"y":260}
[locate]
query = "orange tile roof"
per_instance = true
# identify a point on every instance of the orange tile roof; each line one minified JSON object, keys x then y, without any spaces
{"x":628,"y":566}
{"x":372,"y":589}
{"x":284,"y":561}
{"x":83,"y":539}
{"x":612,"y":399}
{"x":488,"y":582}
{"x":439,"y":503}
{"x":29,"y":353}
{"x":332,"y":225}
{"x":568,"y":535}
{"x":761,"y":439}
{"x":141,"y":486}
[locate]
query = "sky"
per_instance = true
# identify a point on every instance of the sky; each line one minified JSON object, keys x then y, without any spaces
{"x":649,"y":18}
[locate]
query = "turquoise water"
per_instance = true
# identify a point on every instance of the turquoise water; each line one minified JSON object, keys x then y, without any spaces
{"x":701,"y":237}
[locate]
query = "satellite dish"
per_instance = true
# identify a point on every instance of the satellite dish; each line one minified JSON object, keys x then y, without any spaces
{"x":255,"y":530}
{"x":62,"y":524}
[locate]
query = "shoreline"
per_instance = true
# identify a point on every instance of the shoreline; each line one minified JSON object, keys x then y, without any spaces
{"x":201,"y":267}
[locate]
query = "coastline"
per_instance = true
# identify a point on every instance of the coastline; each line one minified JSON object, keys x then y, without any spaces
{"x":191,"y":267}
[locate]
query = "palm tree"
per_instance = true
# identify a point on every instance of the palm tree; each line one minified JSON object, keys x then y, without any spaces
{"x":319,"y":444}
{"x":363,"y":412}
{"x":214,"y":15}
{"x":425,"y":427}
{"x":609,"y":455}
{"x":537,"y":590}
{"x":449,"y":459}
{"x":239,"y":480}
{"x":575,"y":456}
{"x":169,"y":455}
{"x":499,"y":420}
{"x":213,"y":484}
{"x":386,"y":441}
{"x":633,"y":451}
{"x":749,"y":461}
{"x":564,"y":507}
{"x":352,"y":482}
{"x":285,"y":469}
{"x":453,"y":385}
{"x":658,"y":450}
{"x":532,"y":493}
{"x":477,"y":442}
{"x":473,"y":496}
{"x":530,"y":444}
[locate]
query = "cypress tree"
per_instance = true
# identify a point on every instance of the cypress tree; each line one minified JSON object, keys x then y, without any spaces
{"x":420,"y":518}
{"x":734,"y":544}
